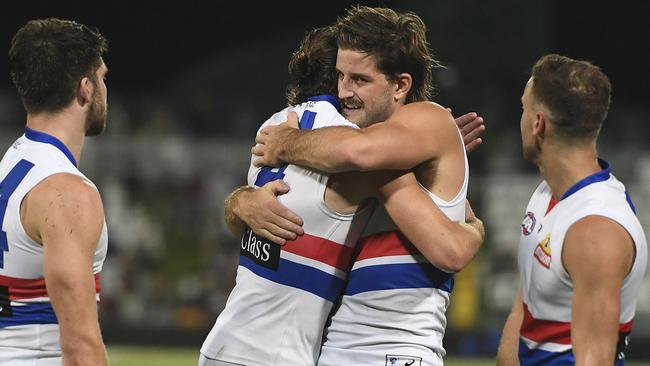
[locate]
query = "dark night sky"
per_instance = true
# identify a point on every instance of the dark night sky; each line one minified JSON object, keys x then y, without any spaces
{"x":151,"y":44}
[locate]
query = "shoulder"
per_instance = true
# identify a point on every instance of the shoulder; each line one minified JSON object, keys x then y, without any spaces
{"x":594,"y":242}
{"x":276,"y":118}
{"x":429,"y":114}
{"x":65,"y":192}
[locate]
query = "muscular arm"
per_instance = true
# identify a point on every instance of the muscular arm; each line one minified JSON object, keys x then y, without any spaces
{"x":598,"y":253}
{"x":65,"y":214}
{"x":448,"y":245}
{"x":412,"y":135}
{"x":508,"y":354}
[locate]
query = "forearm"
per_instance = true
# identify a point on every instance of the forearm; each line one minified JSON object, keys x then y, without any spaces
{"x":594,"y":332}
{"x":508,"y":353}
{"x":448,"y":245}
{"x":232,"y":216}
{"x":76,"y":309}
{"x":329,"y":149}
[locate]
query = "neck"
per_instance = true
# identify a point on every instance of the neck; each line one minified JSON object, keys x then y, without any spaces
{"x":563,"y":166}
{"x":66,"y":126}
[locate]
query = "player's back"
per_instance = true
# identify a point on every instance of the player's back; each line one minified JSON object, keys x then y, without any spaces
{"x":393,"y":309}
{"x":28,"y":324}
{"x":276,"y":313}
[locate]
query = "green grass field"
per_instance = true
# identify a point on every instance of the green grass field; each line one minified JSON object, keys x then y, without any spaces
{"x":143,"y":356}
{"x":150,"y":356}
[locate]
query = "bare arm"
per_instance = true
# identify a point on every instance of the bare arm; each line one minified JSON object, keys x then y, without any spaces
{"x":448,"y":245}
{"x":260,"y":210}
{"x":65,"y":214}
{"x":598,"y":253}
{"x":508,"y":354}
{"x":412,"y":130}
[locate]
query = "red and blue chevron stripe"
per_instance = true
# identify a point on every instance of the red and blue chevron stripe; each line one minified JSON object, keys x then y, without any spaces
{"x":309,"y":263}
{"x":388,"y":260}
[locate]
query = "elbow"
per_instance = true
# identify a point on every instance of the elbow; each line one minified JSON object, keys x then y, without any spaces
{"x":457,"y":258}
{"x":455,"y":264}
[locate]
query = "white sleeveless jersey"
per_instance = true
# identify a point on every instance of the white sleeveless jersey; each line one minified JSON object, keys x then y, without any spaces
{"x":28,"y":324}
{"x":547,"y":287}
{"x":276,"y":312}
{"x":393,"y":310}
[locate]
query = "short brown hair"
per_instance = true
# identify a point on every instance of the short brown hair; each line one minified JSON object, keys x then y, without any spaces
{"x":48,"y":57}
{"x":312,"y":68}
{"x":577,"y":94}
{"x":397,"y":41}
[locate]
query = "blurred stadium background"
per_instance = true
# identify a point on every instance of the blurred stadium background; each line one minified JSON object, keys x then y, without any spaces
{"x":190,"y":82}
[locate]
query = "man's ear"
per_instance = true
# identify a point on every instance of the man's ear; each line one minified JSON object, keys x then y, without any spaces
{"x":539,"y":126}
{"x":85,"y":91}
{"x":404,"y":83}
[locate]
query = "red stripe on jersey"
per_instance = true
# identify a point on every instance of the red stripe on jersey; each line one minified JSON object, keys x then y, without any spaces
{"x":551,"y":203}
{"x":626,"y":327}
{"x":385,"y":244}
{"x":542,"y":331}
{"x":322,"y":250}
{"x":22,"y":288}
{"x":545,"y":330}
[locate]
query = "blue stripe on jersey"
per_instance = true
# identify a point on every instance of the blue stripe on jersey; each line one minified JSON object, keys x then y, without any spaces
{"x":538,"y":357}
{"x":49,"y":139}
{"x":269,"y":173}
{"x":326,"y":98}
{"x":37,"y":313}
{"x":532,"y":357}
{"x":7,"y":188}
{"x":396,"y":276}
{"x":307,"y":120}
{"x":600,"y":176}
{"x":299,"y":276}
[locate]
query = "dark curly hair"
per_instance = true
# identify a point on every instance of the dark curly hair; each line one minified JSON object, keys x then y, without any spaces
{"x":312,"y":68}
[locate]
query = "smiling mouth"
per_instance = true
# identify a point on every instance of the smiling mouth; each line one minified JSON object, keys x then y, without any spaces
{"x":351,"y":108}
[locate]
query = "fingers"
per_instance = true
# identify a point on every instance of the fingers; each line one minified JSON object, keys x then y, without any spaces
{"x":257,"y":150}
{"x":473,"y":145}
{"x":268,"y":235}
{"x":292,"y":120}
{"x":260,"y":138}
{"x":283,"y":228}
{"x":466,"y":118}
{"x":278,"y":187}
{"x":279,"y":223}
{"x":475,"y":124}
{"x":473,"y":134}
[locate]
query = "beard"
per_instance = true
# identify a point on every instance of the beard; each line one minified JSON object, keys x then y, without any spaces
{"x":532,"y":152}
{"x":368,"y":114}
{"x":97,"y":116}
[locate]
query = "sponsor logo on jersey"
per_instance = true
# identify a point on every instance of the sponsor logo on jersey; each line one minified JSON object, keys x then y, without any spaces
{"x":5,"y":302}
{"x":260,"y":250}
{"x":528,"y":225}
{"x":401,"y":360}
{"x":543,"y":252}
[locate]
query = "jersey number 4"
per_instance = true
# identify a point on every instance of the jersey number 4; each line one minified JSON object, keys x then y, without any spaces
{"x":7,"y":188}
{"x":268,"y":173}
